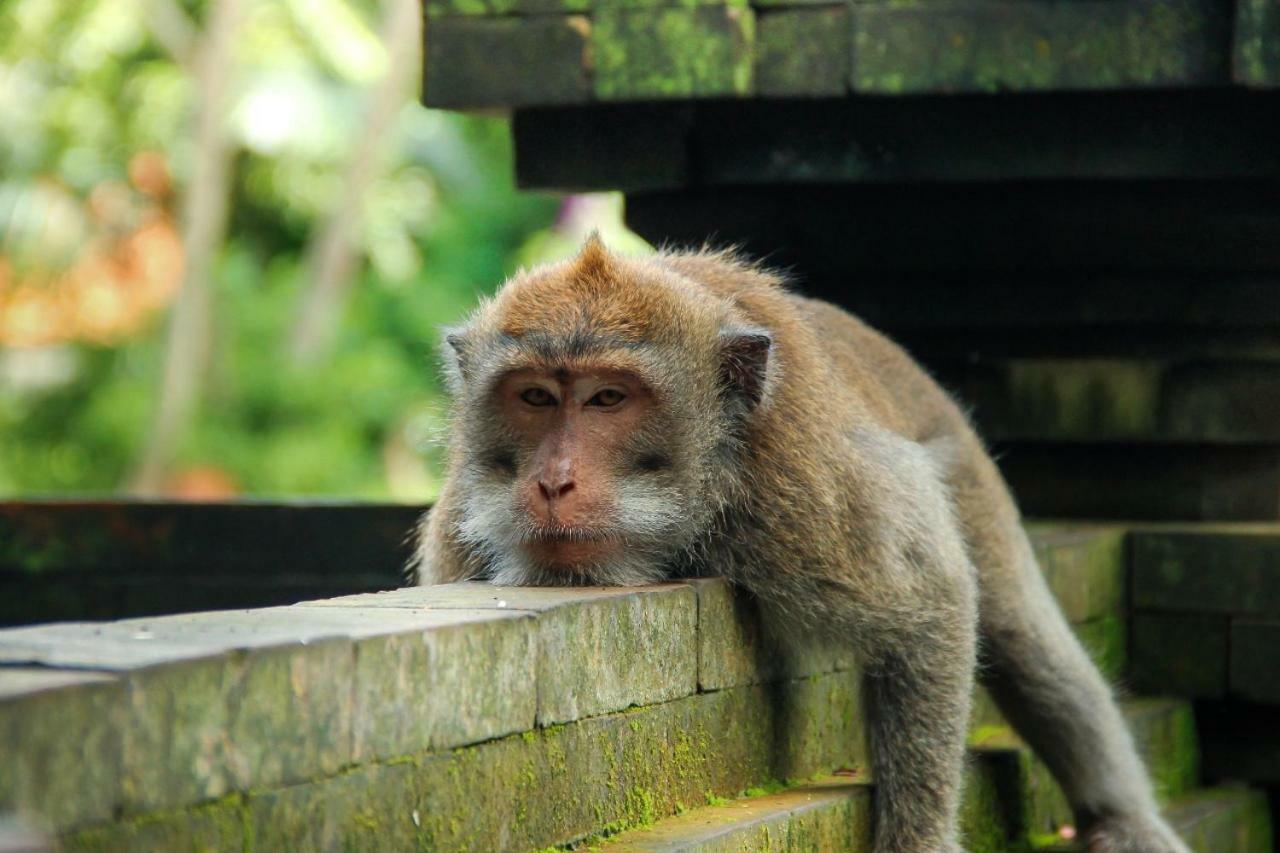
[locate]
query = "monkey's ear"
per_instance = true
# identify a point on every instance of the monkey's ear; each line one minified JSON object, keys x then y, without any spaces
{"x":456,"y":352}
{"x":744,"y":361}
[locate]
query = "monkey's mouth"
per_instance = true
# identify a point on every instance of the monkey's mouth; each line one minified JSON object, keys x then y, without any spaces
{"x":570,"y":546}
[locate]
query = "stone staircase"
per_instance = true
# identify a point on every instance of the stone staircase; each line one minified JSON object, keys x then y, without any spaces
{"x":469,"y":717}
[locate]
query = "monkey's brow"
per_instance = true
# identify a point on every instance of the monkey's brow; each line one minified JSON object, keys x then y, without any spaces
{"x":555,"y":348}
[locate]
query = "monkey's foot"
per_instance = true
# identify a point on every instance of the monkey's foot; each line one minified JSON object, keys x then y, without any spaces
{"x":1133,"y":834}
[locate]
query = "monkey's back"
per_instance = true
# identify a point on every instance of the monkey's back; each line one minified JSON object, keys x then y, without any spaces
{"x":880,"y":370}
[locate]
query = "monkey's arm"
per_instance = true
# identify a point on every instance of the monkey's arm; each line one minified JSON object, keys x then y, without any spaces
{"x":896,"y":583}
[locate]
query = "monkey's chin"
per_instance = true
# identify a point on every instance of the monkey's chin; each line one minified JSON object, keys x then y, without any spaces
{"x":572,"y":556}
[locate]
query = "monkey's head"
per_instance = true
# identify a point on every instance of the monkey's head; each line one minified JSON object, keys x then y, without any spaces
{"x":600,"y":410}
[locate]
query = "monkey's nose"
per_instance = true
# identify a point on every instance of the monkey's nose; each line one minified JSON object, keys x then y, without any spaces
{"x":554,"y":487}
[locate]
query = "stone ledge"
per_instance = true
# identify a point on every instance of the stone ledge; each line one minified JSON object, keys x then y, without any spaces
{"x":483,"y":55}
{"x":143,"y":720}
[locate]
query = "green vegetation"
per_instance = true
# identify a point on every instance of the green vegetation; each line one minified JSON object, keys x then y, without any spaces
{"x":101,"y":103}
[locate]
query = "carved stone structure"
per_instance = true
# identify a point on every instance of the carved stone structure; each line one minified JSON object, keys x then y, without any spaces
{"x":1070,"y":211}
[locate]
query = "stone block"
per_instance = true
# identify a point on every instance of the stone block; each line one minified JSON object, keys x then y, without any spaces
{"x":1119,"y":399}
{"x":992,"y":47}
{"x":453,"y":685}
{"x":1256,"y":48}
{"x":1085,"y":569}
{"x":606,"y":655}
{"x":734,"y":647}
{"x":217,"y":702}
{"x":599,"y":649}
{"x":561,"y":784}
{"x":59,"y":746}
{"x":1255,"y":660}
{"x":1179,"y":654}
{"x":507,"y":62}
{"x":1164,"y":731}
{"x":1226,"y":819}
{"x":699,"y":52}
{"x":437,"y":9}
{"x":219,"y":825}
{"x":830,"y":814}
{"x":803,"y":51}
{"x":194,"y":540}
{"x":1106,"y":642}
{"x":1142,"y":481}
{"x":1228,"y":570}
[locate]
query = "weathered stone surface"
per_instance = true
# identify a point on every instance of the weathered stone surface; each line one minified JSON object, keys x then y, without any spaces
{"x":1226,"y":569}
{"x":59,"y":746}
{"x":453,"y":685}
{"x":831,"y":814}
{"x":599,"y":649}
{"x":1109,"y":399}
{"x":216,"y":702}
{"x":567,"y":782}
{"x":196,"y":539}
{"x":436,"y":9}
{"x":1203,"y":134}
{"x":1143,"y":480}
{"x":1232,"y":820}
{"x":1255,"y":660}
{"x":1016,"y":792}
{"x":1256,"y":51}
{"x":507,"y":62}
{"x":1179,"y":654}
{"x":1106,"y":642}
{"x":991,"y":47}
{"x":607,"y":655}
{"x":733,"y":648}
{"x":1165,"y":733}
{"x":803,"y":51}
{"x":1085,"y":569}
{"x":216,"y":826}
{"x":705,"y":51}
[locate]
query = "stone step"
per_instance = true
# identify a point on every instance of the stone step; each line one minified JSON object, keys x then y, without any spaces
{"x":387,"y":715}
{"x":1163,"y":730}
{"x":1208,"y":401}
{"x":835,"y":814}
{"x":1227,"y":819}
{"x":1206,"y":621}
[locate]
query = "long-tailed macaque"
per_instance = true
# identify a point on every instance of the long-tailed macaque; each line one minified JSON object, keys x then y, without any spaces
{"x":621,"y":421}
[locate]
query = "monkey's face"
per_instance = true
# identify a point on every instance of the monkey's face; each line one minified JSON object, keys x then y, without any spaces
{"x":574,"y":478}
{"x":600,"y":412}
{"x":574,"y":433}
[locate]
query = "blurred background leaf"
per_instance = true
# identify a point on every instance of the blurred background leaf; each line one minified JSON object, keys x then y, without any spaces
{"x":407,"y":215}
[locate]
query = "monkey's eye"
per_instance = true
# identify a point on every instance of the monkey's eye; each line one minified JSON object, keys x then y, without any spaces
{"x":607,"y":398}
{"x":538,"y":397}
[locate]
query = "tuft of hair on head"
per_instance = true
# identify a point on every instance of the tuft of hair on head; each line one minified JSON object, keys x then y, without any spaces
{"x":594,"y":263}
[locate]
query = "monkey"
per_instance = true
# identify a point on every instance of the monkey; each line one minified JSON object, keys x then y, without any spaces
{"x":623,"y":421}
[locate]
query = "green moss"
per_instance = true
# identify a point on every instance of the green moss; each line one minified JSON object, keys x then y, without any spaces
{"x":673,"y":52}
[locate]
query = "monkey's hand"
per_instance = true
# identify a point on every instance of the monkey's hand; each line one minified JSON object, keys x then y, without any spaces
{"x":1143,"y":833}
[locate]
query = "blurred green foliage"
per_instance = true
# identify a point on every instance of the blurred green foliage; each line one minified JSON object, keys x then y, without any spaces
{"x":85,"y":86}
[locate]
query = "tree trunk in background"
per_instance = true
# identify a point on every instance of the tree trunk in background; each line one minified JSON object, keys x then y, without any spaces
{"x":204,"y":227}
{"x":331,"y":256}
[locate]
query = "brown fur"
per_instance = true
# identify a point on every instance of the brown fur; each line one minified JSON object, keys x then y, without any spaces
{"x":848,"y":492}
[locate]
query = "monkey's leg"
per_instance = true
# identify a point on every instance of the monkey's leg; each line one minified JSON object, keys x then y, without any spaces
{"x":1045,"y":684}
{"x":918,"y":706}
{"x":915,"y":617}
